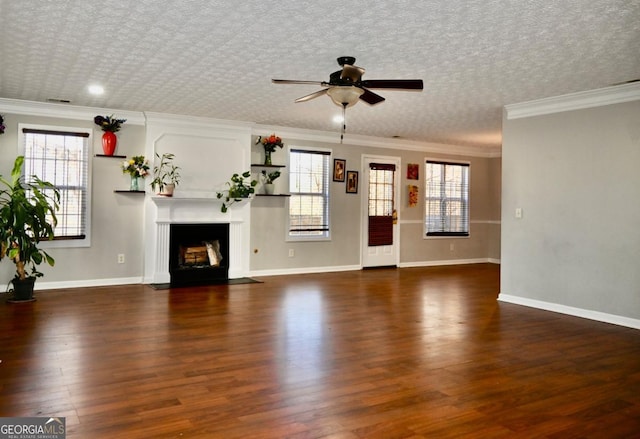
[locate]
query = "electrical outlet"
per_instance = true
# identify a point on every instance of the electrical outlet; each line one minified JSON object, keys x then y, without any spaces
{"x":518,"y":212}
{"x":452,"y":247}
{"x":292,"y":253}
{"x":121,"y":258}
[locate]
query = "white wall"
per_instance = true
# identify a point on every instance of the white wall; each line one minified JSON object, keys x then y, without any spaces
{"x":574,"y":173}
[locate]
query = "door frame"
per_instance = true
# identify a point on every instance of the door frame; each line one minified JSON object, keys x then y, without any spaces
{"x":364,"y":202}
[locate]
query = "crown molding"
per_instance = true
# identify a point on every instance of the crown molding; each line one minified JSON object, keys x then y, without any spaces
{"x":167,"y":119}
{"x":574,"y":101}
{"x":376,"y":142}
{"x":66,"y":111}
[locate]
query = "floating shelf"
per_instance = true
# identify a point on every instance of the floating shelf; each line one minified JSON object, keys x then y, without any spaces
{"x":260,"y":165}
{"x":111,"y":156}
{"x":118,"y":191}
{"x":273,"y":195}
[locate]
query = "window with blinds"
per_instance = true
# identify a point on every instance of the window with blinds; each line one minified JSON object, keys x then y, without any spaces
{"x":380,"y":203}
{"x":309,"y":189}
{"x":61,"y":158}
{"x":447,"y":199}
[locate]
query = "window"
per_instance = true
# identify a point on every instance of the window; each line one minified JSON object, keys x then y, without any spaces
{"x":381,"y":203}
{"x":447,"y":199}
{"x":309,"y":188}
{"x":62,"y":158}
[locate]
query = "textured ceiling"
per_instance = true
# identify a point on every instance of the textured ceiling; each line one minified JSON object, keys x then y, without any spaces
{"x":216,"y":58}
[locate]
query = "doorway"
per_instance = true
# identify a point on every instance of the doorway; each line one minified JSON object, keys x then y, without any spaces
{"x":380,"y":232}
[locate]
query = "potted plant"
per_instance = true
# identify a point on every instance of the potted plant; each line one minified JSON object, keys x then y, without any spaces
{"x":269,"y":178}
{"x":27,"y":216}
{"x":166,"y":175}
{"x":238,"y":189}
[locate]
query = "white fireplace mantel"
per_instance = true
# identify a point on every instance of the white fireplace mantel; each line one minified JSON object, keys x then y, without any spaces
{"x":196,"y":208}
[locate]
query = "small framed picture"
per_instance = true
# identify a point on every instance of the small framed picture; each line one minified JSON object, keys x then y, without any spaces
{"x":352,"y":182}
{"x":413,"y":195}
{"x":338,"y":169}
{"x":413,"y":170}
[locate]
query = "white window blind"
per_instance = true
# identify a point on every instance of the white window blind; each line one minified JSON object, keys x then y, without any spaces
{"x":309,"y":188}
{"x":447,"y":199}
{"x":61,"y":158}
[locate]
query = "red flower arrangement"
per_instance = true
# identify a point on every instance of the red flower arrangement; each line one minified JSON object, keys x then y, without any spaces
{"x":270,"y":143}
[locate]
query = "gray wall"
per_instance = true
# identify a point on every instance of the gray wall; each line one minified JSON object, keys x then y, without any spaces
{"x":575,"y":175}
{"x":118,"y":219}
{"x":268,"y":217}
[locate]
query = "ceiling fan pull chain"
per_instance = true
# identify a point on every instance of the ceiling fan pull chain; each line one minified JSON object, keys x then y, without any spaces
{"x":344,"y":120}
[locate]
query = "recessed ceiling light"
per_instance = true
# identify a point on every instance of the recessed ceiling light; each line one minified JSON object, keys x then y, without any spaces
{"x":338,"y":118}
{"x":96,"y":89}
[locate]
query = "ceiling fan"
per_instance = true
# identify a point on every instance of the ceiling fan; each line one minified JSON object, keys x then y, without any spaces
{"x":346,"y":86}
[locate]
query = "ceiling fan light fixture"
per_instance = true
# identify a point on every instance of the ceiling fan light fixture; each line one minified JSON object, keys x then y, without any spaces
{"x":345,"y":95}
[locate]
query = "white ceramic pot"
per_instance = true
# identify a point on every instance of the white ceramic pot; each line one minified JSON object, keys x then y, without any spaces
{"x":167,"y":190}
{"x":268,"y":188}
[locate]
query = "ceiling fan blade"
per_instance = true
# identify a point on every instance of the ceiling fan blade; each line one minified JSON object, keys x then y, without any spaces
{"x":370,"y":97}
{"x":292,"y":81}
{"x":312,"y":95}
{"x":400,"y":84}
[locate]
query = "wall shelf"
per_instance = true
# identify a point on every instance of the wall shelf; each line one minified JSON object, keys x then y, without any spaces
{"x":273,"y":195}
{"x":111,"y":156}
{"x":260,"y":165}
{"x":119,"y":191}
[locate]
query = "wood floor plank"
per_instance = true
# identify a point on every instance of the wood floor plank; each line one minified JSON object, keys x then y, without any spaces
{"x":388,"y":353}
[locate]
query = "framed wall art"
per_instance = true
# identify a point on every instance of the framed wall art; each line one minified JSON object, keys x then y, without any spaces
{"x":339,"y":166}
{"x":352,"y":182}
{"x":413,"y":170}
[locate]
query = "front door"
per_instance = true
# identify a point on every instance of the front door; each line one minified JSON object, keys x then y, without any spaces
{"x":380,"y":240}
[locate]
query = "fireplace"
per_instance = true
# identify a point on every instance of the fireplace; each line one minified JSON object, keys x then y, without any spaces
{"x":195,"y":209}
{"x":198,"y":253}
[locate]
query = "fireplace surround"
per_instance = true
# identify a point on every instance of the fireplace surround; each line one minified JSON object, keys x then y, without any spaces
{"x":197,"y":210}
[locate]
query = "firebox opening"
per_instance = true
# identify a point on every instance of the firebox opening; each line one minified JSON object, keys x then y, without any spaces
{"x":198,"y":254}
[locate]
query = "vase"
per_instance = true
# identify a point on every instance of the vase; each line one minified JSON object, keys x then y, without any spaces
{"x":134,"y":184}
{"x":109,"y":141}
{"x":267,"y":157}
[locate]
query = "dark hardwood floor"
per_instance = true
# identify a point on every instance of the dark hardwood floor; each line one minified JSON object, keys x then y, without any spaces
{"x":389,"y":353}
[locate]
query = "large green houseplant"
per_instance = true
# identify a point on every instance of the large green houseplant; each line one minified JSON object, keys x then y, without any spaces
{"x":27,"y":216}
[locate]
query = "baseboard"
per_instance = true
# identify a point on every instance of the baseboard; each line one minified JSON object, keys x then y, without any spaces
{"x":448,"y":262}
{"x":304,"y":270}
{"x":569,"y":310}
{"x":40,"y":285}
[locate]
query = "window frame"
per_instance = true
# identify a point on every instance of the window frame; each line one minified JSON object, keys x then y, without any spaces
{"x":65,"y":242}
{"x":328,"y":155}
{"x":446,"y":235}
